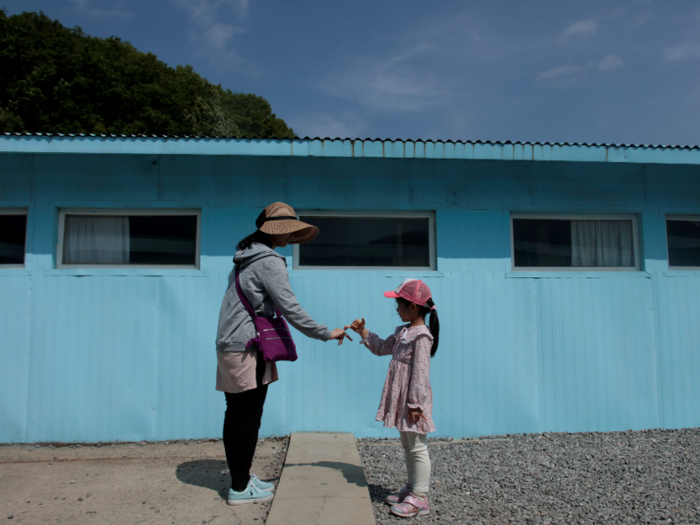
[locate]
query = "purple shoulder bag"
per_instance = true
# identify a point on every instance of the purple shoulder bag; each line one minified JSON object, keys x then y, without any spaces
{"x":274,"y":339}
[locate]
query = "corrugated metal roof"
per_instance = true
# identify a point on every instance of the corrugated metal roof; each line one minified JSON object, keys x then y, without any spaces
{"x":348,"y":148}
{"x":366,"y":139}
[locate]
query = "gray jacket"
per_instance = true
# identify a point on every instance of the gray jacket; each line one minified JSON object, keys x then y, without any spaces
{"x":265,"y":283}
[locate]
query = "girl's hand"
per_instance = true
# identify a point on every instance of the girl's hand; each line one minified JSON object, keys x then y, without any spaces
{"x":358,"y":326}
{"x":340,"y":334}
{"x":414,"y":415}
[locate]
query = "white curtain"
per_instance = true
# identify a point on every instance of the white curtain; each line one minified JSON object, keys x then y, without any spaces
{"x":602,"y":243}
{"x":96,"y":240}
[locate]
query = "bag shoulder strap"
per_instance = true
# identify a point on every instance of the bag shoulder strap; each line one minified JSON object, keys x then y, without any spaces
{"x":244,"y":300}
{"x":242,"y":296}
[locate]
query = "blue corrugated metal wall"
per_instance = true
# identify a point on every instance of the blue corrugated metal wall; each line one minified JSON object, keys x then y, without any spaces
{"x":101,"y":355}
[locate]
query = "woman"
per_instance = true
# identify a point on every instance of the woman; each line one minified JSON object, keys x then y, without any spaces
{"x":242,"y":374}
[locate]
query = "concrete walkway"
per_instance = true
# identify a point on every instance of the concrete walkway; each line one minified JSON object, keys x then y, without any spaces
{"x":322,"y":483}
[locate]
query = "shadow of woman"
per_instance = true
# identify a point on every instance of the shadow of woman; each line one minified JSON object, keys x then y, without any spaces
{"x":208,"y":473}
{"x":352,"y":473}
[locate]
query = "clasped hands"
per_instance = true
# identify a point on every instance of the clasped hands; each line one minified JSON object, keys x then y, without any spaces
{"x":358,"y":326}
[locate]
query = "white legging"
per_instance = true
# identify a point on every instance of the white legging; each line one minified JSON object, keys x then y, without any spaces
{"x":417,"y":461}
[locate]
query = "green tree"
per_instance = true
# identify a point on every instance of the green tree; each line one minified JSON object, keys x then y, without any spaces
{"x":59,"y":80}
{"x":254,"y":116}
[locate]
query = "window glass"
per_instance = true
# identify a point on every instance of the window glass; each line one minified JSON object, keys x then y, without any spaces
{"x":13,"y":233}
{"x":367,"y":241}
{"x":683,"y":242}
{"x":159,"y":240}
{"x":573,"y":243}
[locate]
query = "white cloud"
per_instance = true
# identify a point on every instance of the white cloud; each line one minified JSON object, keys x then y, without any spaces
{"x":94,"y":9}
{"x":211,"y":33}
{"x":688,"y":51}
{"x":428,"y":64}
{"x":582,"y":28}
{"x":393,"y":83}
{"x":348,"y":125}
{"x":560,"y":71}
{"x":564,"y":76}
{"x":217,"y":36}
{"x":610,"y":62}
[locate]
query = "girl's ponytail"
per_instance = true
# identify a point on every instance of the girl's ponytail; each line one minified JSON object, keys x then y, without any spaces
{"x":433,"y":322}
{"x":433,"y":326}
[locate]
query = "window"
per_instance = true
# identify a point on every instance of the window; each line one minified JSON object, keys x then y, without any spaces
{"x":118,"y":238}
{"x":574,"y":242}
{"x":368,"y":241}
{"x":13,"y":235}
{"x":683,"y":237}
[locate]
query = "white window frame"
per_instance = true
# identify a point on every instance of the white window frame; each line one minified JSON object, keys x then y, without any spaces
{"x":18,"y":211}
{"x":693,"y":218}
{"x":120,"y":212}
{"x":577,"y":217}
{"x":363,"y":214}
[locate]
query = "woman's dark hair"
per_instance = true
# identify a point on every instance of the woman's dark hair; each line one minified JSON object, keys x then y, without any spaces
{"x":433,"y":322}
{"x":256,"y":236}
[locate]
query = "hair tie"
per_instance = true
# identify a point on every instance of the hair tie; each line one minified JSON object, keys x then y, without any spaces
{"x":433,"y":307}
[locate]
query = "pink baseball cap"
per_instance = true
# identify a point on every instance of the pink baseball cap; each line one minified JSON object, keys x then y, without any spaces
{"x":413,"y":290}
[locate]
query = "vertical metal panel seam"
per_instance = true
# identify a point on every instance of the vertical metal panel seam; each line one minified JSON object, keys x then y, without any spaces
{"x":28,"y":351}
{"x":31,"y":310}
{"x":157,"y":432}
{"x":537,"y":355}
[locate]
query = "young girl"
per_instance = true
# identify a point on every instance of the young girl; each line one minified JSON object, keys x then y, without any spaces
{"x":407,"y":400}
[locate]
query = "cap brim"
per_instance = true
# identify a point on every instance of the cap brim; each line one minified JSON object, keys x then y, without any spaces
{"x":391,"y":295}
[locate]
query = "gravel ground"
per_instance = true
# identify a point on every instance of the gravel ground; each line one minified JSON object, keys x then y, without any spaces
{"x":650,"y":476}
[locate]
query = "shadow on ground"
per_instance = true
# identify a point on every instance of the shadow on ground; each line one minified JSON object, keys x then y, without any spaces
{"x":208,"y":473}
{"x":352,"y":473}
{"x":379,"y":493}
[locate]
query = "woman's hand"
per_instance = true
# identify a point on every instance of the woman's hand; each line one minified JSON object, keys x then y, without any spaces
{"x":340,"y":334}
{"x":414,"y":415}
{"x":359,"y":327}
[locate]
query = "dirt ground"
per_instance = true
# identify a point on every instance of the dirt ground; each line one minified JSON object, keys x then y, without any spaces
{"x":178,"y":482}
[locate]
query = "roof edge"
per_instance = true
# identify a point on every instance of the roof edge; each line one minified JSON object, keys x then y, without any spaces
{"x":337,"y":147}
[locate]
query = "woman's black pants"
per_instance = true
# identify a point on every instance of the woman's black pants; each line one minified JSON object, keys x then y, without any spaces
{"x":241,"y":425}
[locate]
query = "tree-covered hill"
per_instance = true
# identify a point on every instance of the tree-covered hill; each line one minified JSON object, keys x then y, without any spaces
{"x":59,"y":80}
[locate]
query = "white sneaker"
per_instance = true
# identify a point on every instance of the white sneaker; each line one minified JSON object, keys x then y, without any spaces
{"x":262,"y":485}
{"x":251,"y":494}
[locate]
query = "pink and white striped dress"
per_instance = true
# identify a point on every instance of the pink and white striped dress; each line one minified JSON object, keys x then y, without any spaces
{"x":407,"y":382}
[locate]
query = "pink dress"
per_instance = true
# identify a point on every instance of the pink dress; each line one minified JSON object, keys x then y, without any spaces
{"x":407,"y":382}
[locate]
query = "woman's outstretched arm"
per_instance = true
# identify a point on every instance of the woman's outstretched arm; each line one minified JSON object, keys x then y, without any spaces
{"x":276,"y":280}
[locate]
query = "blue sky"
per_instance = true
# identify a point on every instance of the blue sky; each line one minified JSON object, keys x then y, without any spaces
{"x":622,"y":71}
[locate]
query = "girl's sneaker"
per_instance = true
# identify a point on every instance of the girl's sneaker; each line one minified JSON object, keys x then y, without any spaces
{"x":412,"y":506}
{"x":262,"y":485}
{"x":395,"y":499}
{"x":251,"y":494}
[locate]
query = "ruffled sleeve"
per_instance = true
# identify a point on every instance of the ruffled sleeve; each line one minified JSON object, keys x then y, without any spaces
{"x":419,"y":386}
{"x":377,"y":345}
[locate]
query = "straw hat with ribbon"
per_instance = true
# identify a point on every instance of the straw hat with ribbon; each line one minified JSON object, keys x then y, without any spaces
{"x":279,"y":218}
